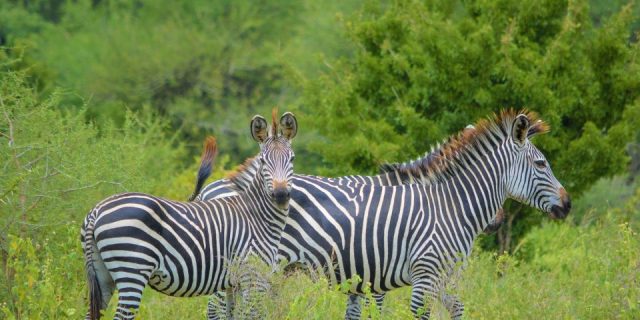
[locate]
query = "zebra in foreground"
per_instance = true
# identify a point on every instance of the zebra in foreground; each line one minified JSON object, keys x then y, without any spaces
{"x":184,"y":248}
{"x":415,"y":235}
{"x":391,"y":174}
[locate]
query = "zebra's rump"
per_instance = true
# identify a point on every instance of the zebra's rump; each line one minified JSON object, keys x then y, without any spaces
{"x":141,"y":236}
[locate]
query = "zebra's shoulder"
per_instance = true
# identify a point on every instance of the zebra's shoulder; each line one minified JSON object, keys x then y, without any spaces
{"x":218,"y":189}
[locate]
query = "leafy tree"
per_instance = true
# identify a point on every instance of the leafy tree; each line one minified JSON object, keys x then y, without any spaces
{"x":426,"y":69}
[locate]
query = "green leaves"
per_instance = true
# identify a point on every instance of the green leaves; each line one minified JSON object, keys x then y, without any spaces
{"x":424,"y":73}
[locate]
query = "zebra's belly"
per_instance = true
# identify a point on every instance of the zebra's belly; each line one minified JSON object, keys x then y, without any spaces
{"x":379,"y":281}
{"x":189,"y":280}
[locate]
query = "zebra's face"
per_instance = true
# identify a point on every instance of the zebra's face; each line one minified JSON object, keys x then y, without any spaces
{"x":276,"y":157}
{"x":530,"y":179}
{"x":276,"y":168}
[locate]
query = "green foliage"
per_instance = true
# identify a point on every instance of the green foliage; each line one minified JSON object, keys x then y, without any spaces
{"x":424,"y":70}
{"x":584,"y":273}
{"x":42,"y":273}
{"x":422,"y":73}
{"x":140,"y":76}
{"x":207,"y":66}
{"x":55,"y":167}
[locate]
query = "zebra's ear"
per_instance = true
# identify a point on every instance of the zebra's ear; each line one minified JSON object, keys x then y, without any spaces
{"x":520,"y":129}
{"x":259,"y":128}
{"x":537,"y":127}
{"x":288,"y":125}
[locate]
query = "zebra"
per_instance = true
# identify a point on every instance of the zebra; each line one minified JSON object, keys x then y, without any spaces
{"x":390,"y":174}
{"x":184,"y":249}
{"x":395,"y":236}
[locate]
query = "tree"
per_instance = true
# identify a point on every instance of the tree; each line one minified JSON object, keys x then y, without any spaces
{"x":426,"y":70}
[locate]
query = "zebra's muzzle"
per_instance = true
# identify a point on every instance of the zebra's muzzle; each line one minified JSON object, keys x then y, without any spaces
{"x":281,"y":197}
{"x":561,"y":212}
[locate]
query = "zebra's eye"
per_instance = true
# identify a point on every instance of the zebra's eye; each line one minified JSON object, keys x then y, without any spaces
{"x":540,"y":163}
{"x":262,"y":160}
{"x":293,"y":158}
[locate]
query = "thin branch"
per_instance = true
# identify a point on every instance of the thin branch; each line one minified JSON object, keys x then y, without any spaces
{"x":6,"y":116}
{"x":93,"y":186}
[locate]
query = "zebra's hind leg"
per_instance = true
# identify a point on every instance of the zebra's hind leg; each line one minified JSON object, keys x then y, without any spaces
{"x":353,"y":307}
{"x":453,"y":304}
{"x":217,"y":306}
{"x":130,"y":286}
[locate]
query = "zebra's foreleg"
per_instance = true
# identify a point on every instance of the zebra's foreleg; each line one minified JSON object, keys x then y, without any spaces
{"x":496,"y":223}
{"x":423,"y":294}
{"x":379,"y":299}
{"x":230,"y":301}
{"x":353,"y":307}
{"x":453,"y":305}
{"x":253,"y":288}
{"x":217,"y":306}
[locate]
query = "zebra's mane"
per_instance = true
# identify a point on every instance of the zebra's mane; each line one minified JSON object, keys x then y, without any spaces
{"x":243,"y":175}
{"x":446,"y":158}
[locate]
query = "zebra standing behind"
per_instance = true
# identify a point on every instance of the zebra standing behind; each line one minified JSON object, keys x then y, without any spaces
{"x":391,"y":174}
{"x":184,"y":248}
{"x":415,"y":235}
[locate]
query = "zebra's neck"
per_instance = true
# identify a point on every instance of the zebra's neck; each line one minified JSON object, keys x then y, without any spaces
{"x":269,"y":220}
{"x":478,"y":191}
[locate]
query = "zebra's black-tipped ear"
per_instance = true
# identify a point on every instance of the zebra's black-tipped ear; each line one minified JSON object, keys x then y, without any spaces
{"x":259,"y":128}
{"x":288,"y":125}
{"x":520,"y":129}
{"x":537,"y":127}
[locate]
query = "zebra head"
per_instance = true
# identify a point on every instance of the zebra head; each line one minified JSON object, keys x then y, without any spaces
{"x":530,"y":179}
{"x":276,"y":156}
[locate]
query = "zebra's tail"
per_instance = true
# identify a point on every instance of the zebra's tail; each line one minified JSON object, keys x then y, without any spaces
{"x":206,"y":164}
{"x":89,"y":245}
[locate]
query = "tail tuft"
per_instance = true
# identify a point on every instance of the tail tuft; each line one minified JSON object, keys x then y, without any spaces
{"x":95,"y":296}
{"x":95,"y":292}
{"x":206,"y":164}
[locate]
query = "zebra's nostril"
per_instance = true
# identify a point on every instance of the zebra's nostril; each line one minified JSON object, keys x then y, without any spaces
{"x":281,"y":196}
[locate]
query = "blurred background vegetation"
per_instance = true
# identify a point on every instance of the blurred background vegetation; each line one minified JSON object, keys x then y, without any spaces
{"x":99,"y":97}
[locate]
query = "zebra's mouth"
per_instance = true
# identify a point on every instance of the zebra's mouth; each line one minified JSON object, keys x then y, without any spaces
{"x":281,"y":197}
{"x":560,"y":212}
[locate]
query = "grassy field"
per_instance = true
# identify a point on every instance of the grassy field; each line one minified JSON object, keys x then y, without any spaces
{"x":560,"y":270}
{"x":103,"y":97}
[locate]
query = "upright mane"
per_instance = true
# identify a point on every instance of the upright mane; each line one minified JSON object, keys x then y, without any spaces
{"x":445,"y":159}
{"x":243,"y":175}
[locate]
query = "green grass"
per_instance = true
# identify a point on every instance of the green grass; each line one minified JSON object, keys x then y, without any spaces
{"x":559,"y":271}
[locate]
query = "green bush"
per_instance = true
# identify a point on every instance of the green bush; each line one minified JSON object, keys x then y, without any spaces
{"x":54,"y":168}
{"x":424,"y":70}
{"x":140,"y":76}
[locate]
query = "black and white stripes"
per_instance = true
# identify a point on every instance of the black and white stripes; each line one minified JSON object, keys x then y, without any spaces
{"x":185,"y":248}
{"x":394,"y":236}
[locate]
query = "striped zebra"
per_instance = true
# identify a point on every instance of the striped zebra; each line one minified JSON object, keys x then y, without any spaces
{"x":395,"y":236}
{"x":185,"y":249}
{"x":391,"y":174}
{"x":414,"y":234}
